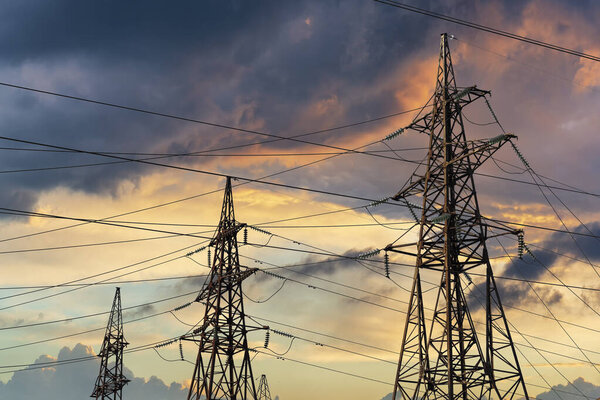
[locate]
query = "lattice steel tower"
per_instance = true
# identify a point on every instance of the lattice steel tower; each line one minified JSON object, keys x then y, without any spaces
{"x":263,"y":389}
{"x":447,"y":360}
{"x":223,"y":369}
{"x":110,"y":382}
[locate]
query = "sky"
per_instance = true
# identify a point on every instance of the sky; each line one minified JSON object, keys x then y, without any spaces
{"x":284,"y":68}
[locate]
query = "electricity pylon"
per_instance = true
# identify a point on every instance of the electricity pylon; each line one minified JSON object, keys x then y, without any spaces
{"x":263,"y":389}
{"x":110,"y":381}
{"x":448,"y":362}
{"x":223,"y":369}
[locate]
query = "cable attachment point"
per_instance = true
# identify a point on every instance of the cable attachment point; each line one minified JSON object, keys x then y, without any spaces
{"x":392,"y":135}
{"x":521,"y":157}
{"x":259,"y":230}
{"x":368,"y":254}
{"x":181,"y":307}
{"x":386,"y":259}
{"x":521,"y":243}
{"x":463,"y":93}
{"x":411,"y":208}
{"x":196,"y":251}
{"x":281,"y":333}
{"x":164,"y":344}
{"x":378,"y":202}
{"x":499,"y":138}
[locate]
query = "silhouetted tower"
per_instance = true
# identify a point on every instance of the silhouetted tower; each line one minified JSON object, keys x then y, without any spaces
{"x":223,"y":369}
{"x":110,"y":382}
{"x":447,"y":361}
{"x":263,"y":389}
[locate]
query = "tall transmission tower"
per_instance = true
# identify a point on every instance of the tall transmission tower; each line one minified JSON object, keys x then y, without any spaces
{"x":448,"y":361}
{"x":223,"y":369}
{"x":263,"y":388}
{"x":110,"y":381}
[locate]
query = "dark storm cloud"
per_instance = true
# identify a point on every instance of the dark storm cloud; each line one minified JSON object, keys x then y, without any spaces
{"x":206,"y":60}
{"x":515,"y":293}
{"x":255,"y":65}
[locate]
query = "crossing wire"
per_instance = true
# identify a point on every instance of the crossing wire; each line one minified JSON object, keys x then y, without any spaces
{"x":488,"y":29}
{"x":170,"y":311}
{"x":557,"y":320}
{"x":198,"y":121}
{"x":289,"y":268}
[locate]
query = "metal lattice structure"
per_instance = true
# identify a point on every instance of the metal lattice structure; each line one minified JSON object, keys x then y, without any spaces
{"x":223,"y":369}
{"x":110,"y":381}
{"x":447,"y":361}
{"x":263,"y":388}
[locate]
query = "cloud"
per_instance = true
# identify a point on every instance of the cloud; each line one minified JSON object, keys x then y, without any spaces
{"x":315,"y":265}
{"x":76,"y":381}
{"x":275,"y":82}
{"x":561,"y":392}
{"x":547,"y":253}
{"x":140,"y":311}
{"x":571,"y":391}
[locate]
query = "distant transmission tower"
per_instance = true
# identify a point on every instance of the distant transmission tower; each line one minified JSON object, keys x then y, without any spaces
{"x":263,"y":389}
{"x":110,"y":382}
{"x":223,"y":369}
{"x":447,"y":361}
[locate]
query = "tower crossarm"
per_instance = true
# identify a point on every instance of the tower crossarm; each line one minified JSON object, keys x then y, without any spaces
{"x":234,"y":278}
{"x":458,"y":99}
{"x":228,"y":232}
{"x":476,"y":151}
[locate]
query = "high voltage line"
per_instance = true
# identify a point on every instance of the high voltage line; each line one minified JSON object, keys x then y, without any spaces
{"x":63,"y":362}
{"x":182,"y":234}
{"x":194,"y":235}
{"x":178,"y":200}
{"x":269,"y":246}
{"x":147,"y":161}
{"x":488,"y":29}
{"x":201,"y":122}
{"x":554,"y":353}
{"x":278,"y":137}
{"x":329,"y":254}
{"x":168,"y":311}
{"x":289,"y":268}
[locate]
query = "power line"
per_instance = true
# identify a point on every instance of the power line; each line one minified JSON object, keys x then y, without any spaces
{"x":556,"y":319}
{"x":113,"y":242}
{"x":208,"y":153}
{"x":122,"y":282}
{"x":197,"y":121}
{"x":79,"y":333}
{"x":96,"y":275}
{"x":218,"y":190}
{"x":250,"y":180}
{"x":489,"y":29}
{"x":75,"y":318}
{"x":164,"y":312}
{"x":531,"y":66}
